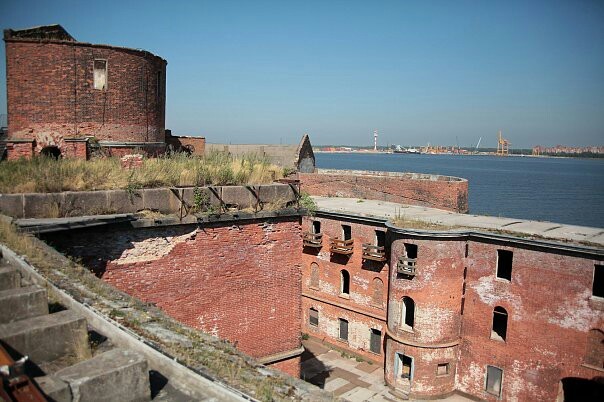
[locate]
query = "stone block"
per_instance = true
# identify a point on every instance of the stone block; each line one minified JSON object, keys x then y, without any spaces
{"x":79,"y":203}
{"x":238,"y":196}
{"x":208,"y":197}
{"x":122,"y":201}
{"x":49,"y":337}
{"x":43,"y":205}
{"x":160,"y":199}
{"x":54,"y":388}
{"x":21,"y":303}
{"x":9,"y":277}
{"x":12,"y":205}
{"x":116,"y":375}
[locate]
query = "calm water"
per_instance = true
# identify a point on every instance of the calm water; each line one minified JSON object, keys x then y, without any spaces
{"x":560,"y":190}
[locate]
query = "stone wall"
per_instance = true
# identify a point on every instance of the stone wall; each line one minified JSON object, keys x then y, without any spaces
{"x":443,"y":192}
{"x":237,"y":280}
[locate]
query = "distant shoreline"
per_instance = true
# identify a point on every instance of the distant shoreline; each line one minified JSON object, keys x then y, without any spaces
{"x":468,"y":154}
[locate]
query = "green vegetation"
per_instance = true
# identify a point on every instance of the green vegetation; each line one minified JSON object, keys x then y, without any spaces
{"x":46,"y":175}
{"x":307,"y":203}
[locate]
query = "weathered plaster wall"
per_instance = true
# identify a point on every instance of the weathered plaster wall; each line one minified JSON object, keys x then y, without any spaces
{"x":239,"y":281}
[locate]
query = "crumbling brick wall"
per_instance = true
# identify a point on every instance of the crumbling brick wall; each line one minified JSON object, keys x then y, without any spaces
{"x":239,"y":281}
{"x":51,"y":95}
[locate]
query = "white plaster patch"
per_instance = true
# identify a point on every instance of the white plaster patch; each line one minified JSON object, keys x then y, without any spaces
{"x":152,"y":249}
{"x":485,"y":288}
{"x":432,"y":322}
{"x":574,"y":313}
{"x":473,"y":379}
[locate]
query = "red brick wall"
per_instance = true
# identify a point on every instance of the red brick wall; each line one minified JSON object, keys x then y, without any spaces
{"x":51,"y":95}
{"x":16,"y":150}
{"x":363,"y":308}
{"x":239,"y":281}
{"x":289,"y":366}
{"x":550,"y":312}
{"x":76,"y":149}
{"x":406,"y":188}
{"x":436,"y":290}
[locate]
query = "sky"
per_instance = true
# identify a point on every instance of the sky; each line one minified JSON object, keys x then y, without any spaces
{"x":439,"y":72}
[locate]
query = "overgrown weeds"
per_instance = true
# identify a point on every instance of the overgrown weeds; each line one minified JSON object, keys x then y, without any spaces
{"x":46,"y":175}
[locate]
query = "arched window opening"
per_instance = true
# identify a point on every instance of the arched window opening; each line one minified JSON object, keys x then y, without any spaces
{"x":51,"y":152}
{"x":378,"y":292}
{"x":500,"y":324}
{"x":314,"y":275}
{"x":408,"y":314}
{"x":344,"y":282}
{"x":594,"y":355}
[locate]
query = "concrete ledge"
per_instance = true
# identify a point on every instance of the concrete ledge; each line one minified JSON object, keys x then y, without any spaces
{"x":116,"y":375}
{"x":65,"y":333}
{"x":10,"y":278}
{"x":54,"y":388}
{"x":21,"y":303}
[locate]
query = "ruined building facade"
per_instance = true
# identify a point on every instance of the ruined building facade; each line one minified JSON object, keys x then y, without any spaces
{"x":62,"y":94}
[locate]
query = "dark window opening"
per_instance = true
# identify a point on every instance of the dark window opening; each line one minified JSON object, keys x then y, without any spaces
{"x":467,"y":252}
{"x":345,"y":282}
{"x":494,"y":378}
{"x":51,"y":152}
{"x":463,"y":304}
{"x":380,"y":238}
{"x":343,"y":329}
{"x":408,"y":314}
{"x":406,"y":363}
{"x":316,"y":227}
{"x":346,"y":232}
{"x":598,"y":287}
{"x":504,"y":264}
{"x":411,"y":250}
{"x":375,"y":341}
{"x":465,"y":273}
{"x":159,"y":87}
{"x":313,"y":317}
{"x":442,"y":369}
{"x":500,"y":324}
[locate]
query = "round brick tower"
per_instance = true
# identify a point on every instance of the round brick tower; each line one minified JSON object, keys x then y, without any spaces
{"x":424,"y":313}
{"x":61,"y":92}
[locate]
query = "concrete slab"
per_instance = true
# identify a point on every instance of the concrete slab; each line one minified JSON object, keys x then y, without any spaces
{"x":367,"y":368}
{"x":77,"y":203}
{"x":64,"y":333}
{"x":117,"y":375}
{"x":358,"y":395}
{"x":344,"y":389}
{"x":11,"y":205}
{"x":332,"y":384}
{"x":54,"y":388}
{"x":10,"y":277}
{"x":122,"y":201}
{"x":42,"y":205}
{"x":160,"y":199}
{"x":22,"y":303}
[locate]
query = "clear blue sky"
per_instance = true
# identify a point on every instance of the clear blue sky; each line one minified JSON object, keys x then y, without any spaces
{"x":422,"y":71}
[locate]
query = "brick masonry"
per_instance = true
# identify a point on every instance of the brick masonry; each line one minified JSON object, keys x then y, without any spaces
{"x":443,"y":192}
{"x":238,"y":281}
{"x":51,"y":96}
{"x":365,"y":305}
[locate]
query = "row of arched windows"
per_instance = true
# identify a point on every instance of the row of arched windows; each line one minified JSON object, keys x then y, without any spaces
{"x":378,"y":284}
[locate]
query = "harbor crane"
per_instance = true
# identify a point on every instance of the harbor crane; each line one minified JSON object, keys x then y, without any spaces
{"x":503,"y":145}
{"x":477,"y":145}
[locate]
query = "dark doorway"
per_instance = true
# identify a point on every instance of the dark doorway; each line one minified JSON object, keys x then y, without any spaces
{"x":51,"y":152}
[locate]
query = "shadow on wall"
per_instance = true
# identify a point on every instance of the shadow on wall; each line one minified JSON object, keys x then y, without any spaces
{"x":582,"y":390}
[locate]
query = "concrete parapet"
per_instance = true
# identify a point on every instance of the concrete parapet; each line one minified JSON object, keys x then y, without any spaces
{"x":116,"y":375}
{"x":164,"y":200}
{"x":21,"y":303}
{"x":10,"y":278}
{"x":54,"y":388}
{"x":65,"y":336}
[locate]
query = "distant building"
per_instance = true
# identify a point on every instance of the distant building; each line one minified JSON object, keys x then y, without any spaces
{"x":60,"y":92}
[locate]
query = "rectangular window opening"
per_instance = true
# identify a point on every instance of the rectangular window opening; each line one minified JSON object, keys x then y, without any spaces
{"x":316,"y":227}
{"x":442,"y":369}
{"x":598,"y":286}
{"x":313,"y":317}
{"x":493,"y":383}
{"x":375,"y":341}
{"x":405,"y":366}
{"x":343,"y":329}
{"x":159,"y":86}
{"x":411,"y":250}
{"x":504,"y":264}
{"x":380,"y":238}
{"x":100,"y":74}
{"x":346,"y":232}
